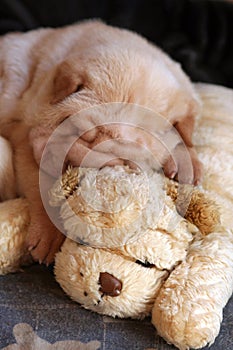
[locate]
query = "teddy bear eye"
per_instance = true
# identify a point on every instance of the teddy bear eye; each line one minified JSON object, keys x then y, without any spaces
{"x":81,"y":274}
{"x":144,"y":263}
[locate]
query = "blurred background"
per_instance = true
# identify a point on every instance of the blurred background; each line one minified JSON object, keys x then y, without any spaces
{"x":197,"y":33}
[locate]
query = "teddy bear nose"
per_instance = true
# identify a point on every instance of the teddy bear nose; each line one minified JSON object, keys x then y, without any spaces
{"x":110,"y":285}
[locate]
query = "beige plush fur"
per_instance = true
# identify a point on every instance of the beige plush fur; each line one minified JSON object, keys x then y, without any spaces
{"x":50,"y":74}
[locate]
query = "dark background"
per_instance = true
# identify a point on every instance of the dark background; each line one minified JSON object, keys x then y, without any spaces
{"x":197,"y":33}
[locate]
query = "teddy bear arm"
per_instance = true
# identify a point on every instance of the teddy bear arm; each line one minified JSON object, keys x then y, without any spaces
{"x":188,"y":309}
{"x":14,"y":222}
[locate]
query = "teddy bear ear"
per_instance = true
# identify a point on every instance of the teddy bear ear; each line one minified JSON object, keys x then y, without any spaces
{"x":67,"y":80}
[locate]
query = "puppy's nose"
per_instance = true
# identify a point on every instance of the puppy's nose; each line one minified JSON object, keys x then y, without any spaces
{"x":110,"y":285}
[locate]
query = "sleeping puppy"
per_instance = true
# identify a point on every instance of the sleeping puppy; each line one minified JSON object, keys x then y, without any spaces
{"x":48,"y":75}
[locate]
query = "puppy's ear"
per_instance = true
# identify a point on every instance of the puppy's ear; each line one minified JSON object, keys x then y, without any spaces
{"x":67,"y":80}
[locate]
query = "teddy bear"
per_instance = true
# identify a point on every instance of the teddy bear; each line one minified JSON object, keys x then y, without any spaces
{"x":140,"y":244}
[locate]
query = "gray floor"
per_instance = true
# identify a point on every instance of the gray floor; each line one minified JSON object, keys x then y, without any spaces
{"x":33,"y":297}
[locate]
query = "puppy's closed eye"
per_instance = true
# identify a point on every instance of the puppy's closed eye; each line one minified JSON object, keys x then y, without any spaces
{"x":67,"y":81}
{"x":79,"y":87}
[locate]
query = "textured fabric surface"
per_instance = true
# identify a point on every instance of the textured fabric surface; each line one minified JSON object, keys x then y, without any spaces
{"x":34,"y":302}
{"x":197,"y":33}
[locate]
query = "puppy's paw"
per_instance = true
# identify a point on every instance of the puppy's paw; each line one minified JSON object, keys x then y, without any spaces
{"x":184,"y":166}
{"x":44,"y":242}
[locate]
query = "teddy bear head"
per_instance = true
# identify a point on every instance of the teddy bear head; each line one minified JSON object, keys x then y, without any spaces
{"x":125,"y":234}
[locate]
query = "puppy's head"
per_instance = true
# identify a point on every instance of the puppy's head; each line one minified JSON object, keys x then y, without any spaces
{"x":107,"y":74}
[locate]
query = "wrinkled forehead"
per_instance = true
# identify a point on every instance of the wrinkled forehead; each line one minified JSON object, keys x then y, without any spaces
{"x":111,"y":60}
